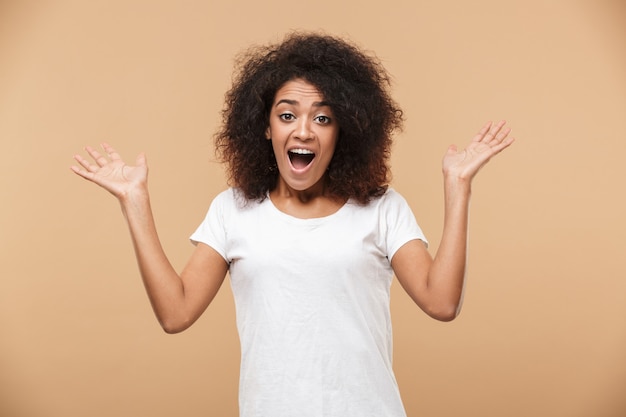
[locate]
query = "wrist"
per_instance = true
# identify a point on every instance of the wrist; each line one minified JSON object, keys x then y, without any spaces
{"x":457,"y":192}
{"x":460,"y":184}
{"x":135,"y":197}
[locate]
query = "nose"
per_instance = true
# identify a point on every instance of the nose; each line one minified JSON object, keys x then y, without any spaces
{"x":303,"y":130}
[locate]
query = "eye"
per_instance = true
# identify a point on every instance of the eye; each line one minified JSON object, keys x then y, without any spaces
{"x":323,"y":119}
{"x":287,"y":117}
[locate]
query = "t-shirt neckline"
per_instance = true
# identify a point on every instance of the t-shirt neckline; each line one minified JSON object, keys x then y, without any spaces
{"x":309,"y":220}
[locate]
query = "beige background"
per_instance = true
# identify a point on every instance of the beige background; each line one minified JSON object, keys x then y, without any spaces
{"x":543,"y":331}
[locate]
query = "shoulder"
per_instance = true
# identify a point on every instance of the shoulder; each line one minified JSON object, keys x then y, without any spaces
{"x":232,"y":202}
{"x":393,"y":208}
{"x":391,"y":198}
{"x":392,"y":195}
{"x":233,"y":197}
{"x":384,"y":208}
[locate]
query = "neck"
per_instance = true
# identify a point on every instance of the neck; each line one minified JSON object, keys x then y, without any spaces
{"x":310,"y":203}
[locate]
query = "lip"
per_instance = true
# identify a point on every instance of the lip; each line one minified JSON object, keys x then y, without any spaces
{"x":300,"y":150}
{"x":296,"y":148}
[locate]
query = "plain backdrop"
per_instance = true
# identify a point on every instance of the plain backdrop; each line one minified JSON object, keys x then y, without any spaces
{"x":543,"y":330}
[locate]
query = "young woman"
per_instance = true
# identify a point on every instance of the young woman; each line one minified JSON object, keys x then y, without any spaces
{"x":309,"y":232}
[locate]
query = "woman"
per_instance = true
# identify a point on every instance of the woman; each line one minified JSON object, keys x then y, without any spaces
{"x":309,"y":231}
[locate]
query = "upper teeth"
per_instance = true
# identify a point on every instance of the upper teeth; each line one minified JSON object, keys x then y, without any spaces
{"x":301,"y":151}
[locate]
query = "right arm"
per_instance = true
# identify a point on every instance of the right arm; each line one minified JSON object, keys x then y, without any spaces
{"x":177,"y":299}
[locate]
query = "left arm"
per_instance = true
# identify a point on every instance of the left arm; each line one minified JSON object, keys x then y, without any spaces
{"x":436,"y":285}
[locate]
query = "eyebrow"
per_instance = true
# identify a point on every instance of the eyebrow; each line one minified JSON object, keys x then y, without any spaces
{"x":295,"y":102}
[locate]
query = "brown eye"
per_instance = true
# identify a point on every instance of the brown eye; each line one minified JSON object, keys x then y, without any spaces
{"x":323,"y":119}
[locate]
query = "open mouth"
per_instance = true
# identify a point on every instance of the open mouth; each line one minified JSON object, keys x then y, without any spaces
{"x":300,"y":158}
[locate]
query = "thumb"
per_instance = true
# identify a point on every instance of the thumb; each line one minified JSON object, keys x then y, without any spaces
{"x":452,"y":149}
{"x":141,"y":159}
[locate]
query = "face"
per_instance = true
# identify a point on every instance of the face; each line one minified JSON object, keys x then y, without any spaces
{"x":303,"y":132}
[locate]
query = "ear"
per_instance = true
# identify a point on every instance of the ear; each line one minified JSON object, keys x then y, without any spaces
{"x":268,"y":133}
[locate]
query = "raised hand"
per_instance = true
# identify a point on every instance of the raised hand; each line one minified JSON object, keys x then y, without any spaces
{"x":111,"y":172}
{"x":489,"y":141}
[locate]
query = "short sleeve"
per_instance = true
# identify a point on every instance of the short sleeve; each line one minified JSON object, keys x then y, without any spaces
{"x":401,"y":226}
{"x":213,"y":229}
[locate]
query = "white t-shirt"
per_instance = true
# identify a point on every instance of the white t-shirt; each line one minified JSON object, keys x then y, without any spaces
{"x":312,"y":304}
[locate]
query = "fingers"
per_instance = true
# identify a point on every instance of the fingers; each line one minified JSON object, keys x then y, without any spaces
{"x":482,"y":132}
{"x":499,"y":133}
{"x":86,"y":169}
{"x":97,"y":156}
{"x":83,"y":163}
{"x":82,"y":172}
{"x":111,"y":152}
{"x":493,"y":134}
{"x":503,"y":144}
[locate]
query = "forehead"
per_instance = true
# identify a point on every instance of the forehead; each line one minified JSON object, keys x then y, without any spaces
{"x":298,"y":89}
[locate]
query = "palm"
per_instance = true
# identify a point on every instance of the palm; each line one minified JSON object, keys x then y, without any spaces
{"x":491,"y":140}
{"x":112,"y":173}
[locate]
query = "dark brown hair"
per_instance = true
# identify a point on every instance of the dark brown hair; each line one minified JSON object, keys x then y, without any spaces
{"x":355,"y":85}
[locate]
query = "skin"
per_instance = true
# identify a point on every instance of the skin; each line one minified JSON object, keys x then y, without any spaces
{"x":299,"y":119}
{"x":437,"y":285}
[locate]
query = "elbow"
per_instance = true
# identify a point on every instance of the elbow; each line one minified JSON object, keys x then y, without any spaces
{"x":444,"y":307}
{"x":174,"y":326}
{"x":446,"y":317}
{"x":171,"y":329}
{"x":445,"y":313}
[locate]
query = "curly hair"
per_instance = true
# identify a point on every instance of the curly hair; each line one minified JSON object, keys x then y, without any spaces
{"x":355,"y":85}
